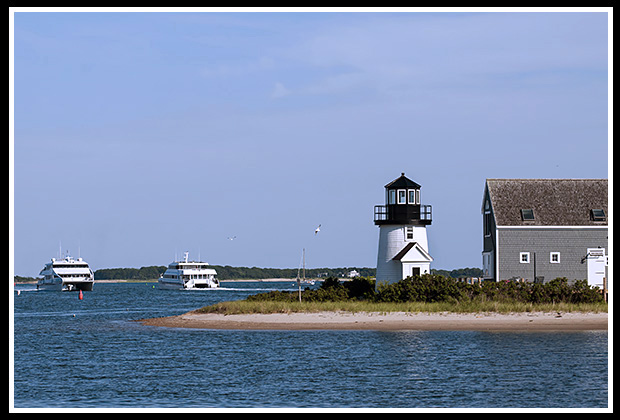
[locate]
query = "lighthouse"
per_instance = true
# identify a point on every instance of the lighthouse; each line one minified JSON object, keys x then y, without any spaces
{"x":402,"y":221}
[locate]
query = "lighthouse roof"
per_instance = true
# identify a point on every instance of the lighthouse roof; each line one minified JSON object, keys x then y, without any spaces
{"x":403,"y":182}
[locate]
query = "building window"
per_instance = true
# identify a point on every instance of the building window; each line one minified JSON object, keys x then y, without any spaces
{"x":527,"y":214}
{"x":409,"y":233}
{"x":392,"y":197}
{"x":524,"y":257}
{"x":487,"y":223}
{"x":554,"y":257}
{"x":411,"y":196}
{"x":402,"y":196}
{"x":597,"y":215}
{"x":417,"y":196}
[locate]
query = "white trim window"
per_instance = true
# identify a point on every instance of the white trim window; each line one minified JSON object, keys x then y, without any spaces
{"x":554,"y":257}
{"x":411,"y":198}
{"x":524,"y":257}
{"x":402,"y":196}
{"x":392,"y":197}
{"x":417,"y":196}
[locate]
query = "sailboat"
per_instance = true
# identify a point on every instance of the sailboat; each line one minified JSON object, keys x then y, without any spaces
{"x":302,"y":266}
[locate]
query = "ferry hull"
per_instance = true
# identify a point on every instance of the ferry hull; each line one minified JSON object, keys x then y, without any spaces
{"x":167,"y":285}
{"x":52,"y":287}
{"x":85,"y":286}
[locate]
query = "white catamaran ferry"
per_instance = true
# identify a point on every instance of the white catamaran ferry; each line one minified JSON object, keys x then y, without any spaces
{"x":66,"y":274}
{"x":188,"y":275}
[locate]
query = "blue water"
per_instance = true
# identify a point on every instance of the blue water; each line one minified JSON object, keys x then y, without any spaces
{"x":102,"y":358}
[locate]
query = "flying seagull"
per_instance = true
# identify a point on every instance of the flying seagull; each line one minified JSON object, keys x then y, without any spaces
{"x":317,"y":230}
{"x":230,"y":238}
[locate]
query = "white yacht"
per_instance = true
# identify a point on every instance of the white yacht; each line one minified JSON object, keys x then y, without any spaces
{"x":66,"y":274}
{"x":188,"y":275}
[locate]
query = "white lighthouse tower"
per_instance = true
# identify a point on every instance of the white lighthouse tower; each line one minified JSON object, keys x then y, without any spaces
{"x":402,"y":221}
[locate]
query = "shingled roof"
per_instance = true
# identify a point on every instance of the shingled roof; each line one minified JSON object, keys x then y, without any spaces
{"x":555,"y":202}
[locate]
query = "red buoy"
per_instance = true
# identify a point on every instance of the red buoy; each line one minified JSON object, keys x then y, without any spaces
{"x":81,"y":296}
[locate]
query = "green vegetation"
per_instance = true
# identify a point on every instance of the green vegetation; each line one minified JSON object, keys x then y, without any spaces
{"x":426,"y":293}
{"x":142,"y":273}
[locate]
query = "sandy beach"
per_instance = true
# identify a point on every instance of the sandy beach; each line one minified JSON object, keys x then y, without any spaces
{"x":393,"y":321}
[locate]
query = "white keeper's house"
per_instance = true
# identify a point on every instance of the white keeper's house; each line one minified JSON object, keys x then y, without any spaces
{"x":540,"y":229}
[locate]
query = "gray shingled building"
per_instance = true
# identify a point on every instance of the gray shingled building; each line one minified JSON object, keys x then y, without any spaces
{"x":541,"y":229}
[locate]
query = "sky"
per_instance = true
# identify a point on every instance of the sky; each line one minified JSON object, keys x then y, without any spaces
{"x":138,"y":136}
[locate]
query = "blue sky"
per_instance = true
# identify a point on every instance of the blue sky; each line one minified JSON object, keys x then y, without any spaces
{"x":142,"y":135}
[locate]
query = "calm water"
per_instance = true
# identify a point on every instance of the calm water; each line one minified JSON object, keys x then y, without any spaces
{"x":101,"y":358}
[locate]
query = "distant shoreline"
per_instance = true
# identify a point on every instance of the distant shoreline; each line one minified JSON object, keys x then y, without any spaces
{"x":391,"y":321}
{"x":155,"y":280}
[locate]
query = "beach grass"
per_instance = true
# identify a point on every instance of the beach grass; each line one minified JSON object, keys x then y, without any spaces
{"x":268,"y":307}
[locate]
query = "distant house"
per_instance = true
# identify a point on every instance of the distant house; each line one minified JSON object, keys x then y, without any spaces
{"x":539,"y":229}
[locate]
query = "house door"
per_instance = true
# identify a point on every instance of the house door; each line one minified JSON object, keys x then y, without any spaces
{"x":596,"y":266}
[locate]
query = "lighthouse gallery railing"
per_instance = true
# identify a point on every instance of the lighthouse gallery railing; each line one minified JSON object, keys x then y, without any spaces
{"x":384,"y":213}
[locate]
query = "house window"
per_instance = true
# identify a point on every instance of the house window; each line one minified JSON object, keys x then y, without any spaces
{"x":402,"y":196}
{"x":411,"y":196}
{"x":554,"y":257}
{"x":527,"y":214}
{"x":417,"y":196}
{"x":597,"y":215}
{"x":409,"y":233}
{"x":392,"y":197}
{"x":524,"y":257}
{"x":487,"y":223}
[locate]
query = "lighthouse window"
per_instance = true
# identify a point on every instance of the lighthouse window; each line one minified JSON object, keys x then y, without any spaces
{"x":392,"y":197}
{"x":409,"y":233}
{"x":402,"y":197}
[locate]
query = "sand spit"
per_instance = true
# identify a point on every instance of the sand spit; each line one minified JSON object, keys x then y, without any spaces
{"x":392,"y":321}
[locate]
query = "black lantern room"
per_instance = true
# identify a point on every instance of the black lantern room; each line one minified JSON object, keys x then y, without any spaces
{"x":402,"y":204}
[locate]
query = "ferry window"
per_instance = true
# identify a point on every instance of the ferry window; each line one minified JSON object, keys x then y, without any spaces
{"x":402,"y":197}
{"x":392,"y":197}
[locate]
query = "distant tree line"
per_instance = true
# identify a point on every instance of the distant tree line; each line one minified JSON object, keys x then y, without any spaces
{"x":226,"y":272}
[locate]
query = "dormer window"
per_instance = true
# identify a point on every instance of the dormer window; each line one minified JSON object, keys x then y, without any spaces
{"x":527,"y":214}
{"x":598,"y":215}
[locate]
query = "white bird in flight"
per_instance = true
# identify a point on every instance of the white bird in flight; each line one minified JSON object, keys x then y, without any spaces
{"x":317,"y":230}
{"x":230,"y":238}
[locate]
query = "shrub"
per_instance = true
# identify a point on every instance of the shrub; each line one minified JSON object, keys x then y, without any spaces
{"x":434,"y":288}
